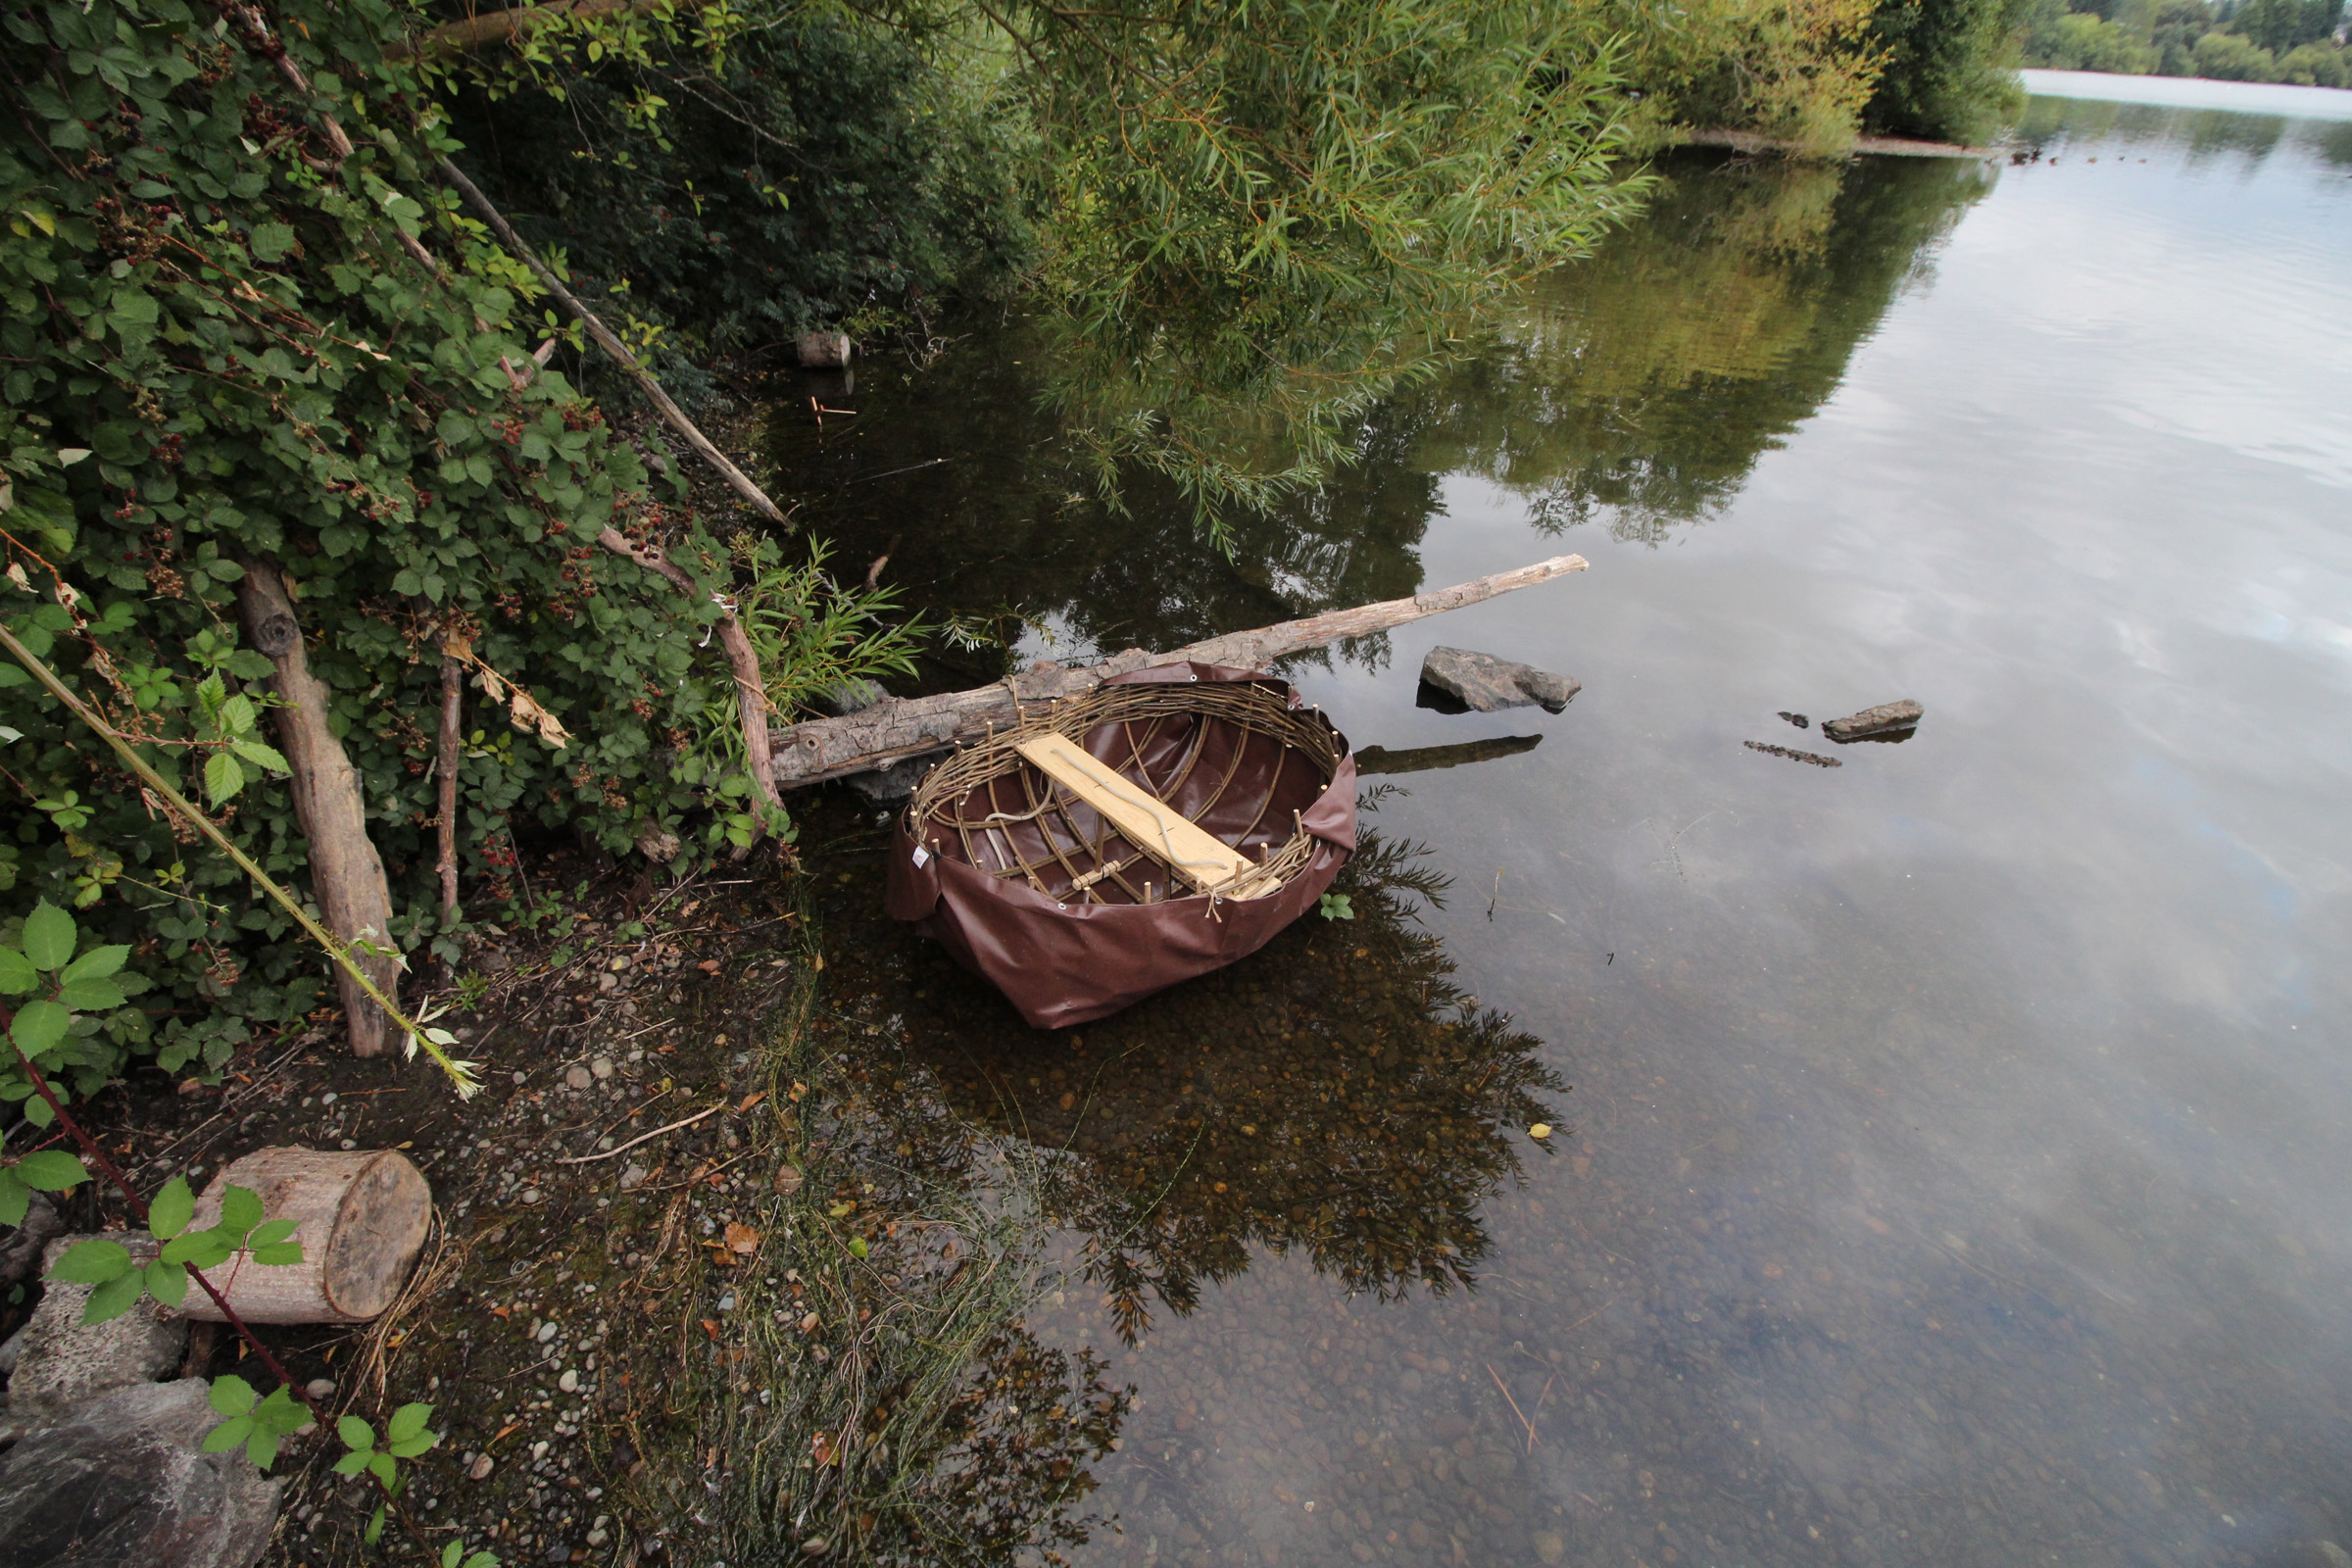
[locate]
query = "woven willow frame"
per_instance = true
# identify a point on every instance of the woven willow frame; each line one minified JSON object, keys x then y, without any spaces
{"x":1016,"y":792}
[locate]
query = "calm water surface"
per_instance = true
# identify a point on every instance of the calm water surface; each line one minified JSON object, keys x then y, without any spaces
{"x":1956,"y":1165}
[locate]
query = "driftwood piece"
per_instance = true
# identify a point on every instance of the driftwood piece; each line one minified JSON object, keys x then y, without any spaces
{"x":1372,"y":759}
{"x":911,"y":726}
{"x":361,"y":1219}
{"x":346,"y":873}
{"x":750,"y":692}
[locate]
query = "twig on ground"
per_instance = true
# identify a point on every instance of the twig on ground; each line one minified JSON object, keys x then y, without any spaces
{"x":688,"y":1121}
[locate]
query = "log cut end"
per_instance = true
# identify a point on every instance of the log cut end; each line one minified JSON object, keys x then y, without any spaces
{"x":361,"y":1217}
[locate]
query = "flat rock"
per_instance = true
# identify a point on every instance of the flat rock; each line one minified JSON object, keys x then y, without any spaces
{"x":123,"y":1483}
{"x":1880,"y":721}
{"x":1483,"y":682}
{"x":61,"y":1362}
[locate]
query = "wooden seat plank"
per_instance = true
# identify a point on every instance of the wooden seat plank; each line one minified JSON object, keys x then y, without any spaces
{"x":1147,"y":822}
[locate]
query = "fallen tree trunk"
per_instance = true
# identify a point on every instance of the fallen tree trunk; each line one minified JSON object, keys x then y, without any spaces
{"x":904,"y":727}
{"x":489,"y":27}
{"x":347,"y":875}
{"x":615,"y":350}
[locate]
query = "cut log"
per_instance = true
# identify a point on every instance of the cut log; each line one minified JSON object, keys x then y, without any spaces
{"x":361,"y":1219}
{"x":346,"y":873}
{"x":912,"y":726}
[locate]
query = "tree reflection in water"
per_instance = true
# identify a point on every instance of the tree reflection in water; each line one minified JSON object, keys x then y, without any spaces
{"x":1337,"y":1093}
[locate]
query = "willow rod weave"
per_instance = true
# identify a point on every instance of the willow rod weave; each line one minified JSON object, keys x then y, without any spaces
{"x":975,"y":803}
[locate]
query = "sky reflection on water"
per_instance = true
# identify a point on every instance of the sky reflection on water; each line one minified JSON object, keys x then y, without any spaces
{"x":1958,"y":1167}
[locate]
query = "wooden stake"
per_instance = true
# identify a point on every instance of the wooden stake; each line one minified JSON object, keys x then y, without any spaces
{"x":347,"y":875}
{"x":892,"y":731}
{"x":751,"y":691}
{"x":453,"y":701}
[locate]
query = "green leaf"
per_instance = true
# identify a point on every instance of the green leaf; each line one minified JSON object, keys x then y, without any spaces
{"x":271,"y":241}
{"x":227,"y":1435}
{"x":17,"y":973}
{"x":277,"y":1254}
{"x":381,"y":1467}
{"x":482,"y":1559}
{"x":450,"y":1553}
{"x":261,"y":756}
{"x":205,"y":1249}
{"x":231,"y":1395}
{"x":375,"y":1526}
{"x":270,"y":1232}
{"x":222,"y":777}
{"x":351,"y":1463}
{"x":356,"y":1433}
{"x":14,"y":1199}
{"x":91,"y":1262}
{"x":48,"y":936}
{"x":240,"y":1211}
{"x":95,"y":965}
{"x":408,"y":1421}
{"x":172,"y":1209}
{"x":113,"y":1299}
{"x":91,"y":995}
{"x":41,"y":1024}
{"x":167,"y":1282}
{"x":410,"y":1447}
{"x":52,"y":1170}
{"x":262,"y":1448}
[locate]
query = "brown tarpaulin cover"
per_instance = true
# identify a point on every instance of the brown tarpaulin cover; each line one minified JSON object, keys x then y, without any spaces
{"x":1066,"y":960}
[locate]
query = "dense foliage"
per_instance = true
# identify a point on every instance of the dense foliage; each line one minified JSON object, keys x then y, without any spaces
{"x":2292,"y":41}
{"x":1949,"y":71}
{"x":820,"y":169}
{"x":222,"y":359}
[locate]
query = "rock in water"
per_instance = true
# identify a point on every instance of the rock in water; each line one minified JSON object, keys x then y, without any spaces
{"x":124,"y":1482}
{"x":63,"y":1361}
{"x":1884,"y":719}
{"x":1486,"y":683}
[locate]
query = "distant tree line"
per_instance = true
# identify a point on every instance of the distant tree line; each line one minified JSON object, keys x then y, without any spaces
{"x":2299,"y":41}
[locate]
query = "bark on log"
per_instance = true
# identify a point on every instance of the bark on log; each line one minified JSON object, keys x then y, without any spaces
{"x":361,"y":1219}
{"x":346,"y":876}
{"x":452,"y":747}
{"x":614,"y":347}
{"x":901,"y":727}
{"x":751,"y":691}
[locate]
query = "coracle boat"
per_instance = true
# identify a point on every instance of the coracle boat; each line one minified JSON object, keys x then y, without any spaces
{"x":1164,"y":825}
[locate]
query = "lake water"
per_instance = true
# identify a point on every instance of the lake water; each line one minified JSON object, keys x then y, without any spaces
{"x":1957,"y":1166}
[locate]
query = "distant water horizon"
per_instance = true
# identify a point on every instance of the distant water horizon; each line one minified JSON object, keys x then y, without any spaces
{"x":2194,"y":92}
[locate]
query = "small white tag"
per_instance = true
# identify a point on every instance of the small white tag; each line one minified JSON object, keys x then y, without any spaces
{"x":922,"y":856}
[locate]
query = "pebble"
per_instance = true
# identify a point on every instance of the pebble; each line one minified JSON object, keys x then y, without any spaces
{"x":481,"y":1467}
{"x":547,"y":1331}
{"x":632,"y":1178}
{"x":577,"y":1078}
{"x":539,"y":1451}
{"x":320,"y":1388}
{"x":530,"y":1194}
{"x":602,"y":1066}
{"x":608,"y":982}
{"x":351,"y":1142}
{"x":569,"y":1382}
